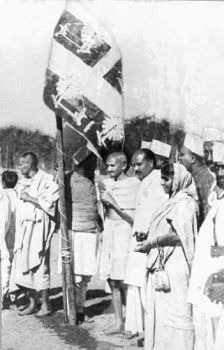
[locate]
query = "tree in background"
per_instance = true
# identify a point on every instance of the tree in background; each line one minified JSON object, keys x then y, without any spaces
{"x":15,"y":141}
{"x":142,"y":127}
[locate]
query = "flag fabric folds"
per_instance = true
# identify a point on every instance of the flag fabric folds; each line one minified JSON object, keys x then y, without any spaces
{"x":84,"y":78}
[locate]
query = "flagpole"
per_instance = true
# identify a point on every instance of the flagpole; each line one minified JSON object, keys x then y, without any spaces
{"x":67,"y":273}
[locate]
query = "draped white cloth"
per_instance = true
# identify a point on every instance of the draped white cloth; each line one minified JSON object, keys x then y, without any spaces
{"x":8,"y":202}
{"x":117,"y":232}
{"x":34,"y":229}
{"x":208,"y":316}
{"x":168,"y":323}
{"x":150,"y":197}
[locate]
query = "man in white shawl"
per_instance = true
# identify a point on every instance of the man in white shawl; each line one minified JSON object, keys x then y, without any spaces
{"x":208,"y":308}
{"x":170,"y":248}
{"x":119,"y":201}
{"x":35,"y":225}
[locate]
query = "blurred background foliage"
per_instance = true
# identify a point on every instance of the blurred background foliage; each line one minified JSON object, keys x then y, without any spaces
{"x":15,"y":141}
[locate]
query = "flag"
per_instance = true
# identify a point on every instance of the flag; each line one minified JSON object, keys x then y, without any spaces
{"x":84,"y":79}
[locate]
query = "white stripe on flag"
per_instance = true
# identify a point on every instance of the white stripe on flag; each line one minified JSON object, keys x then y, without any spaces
{"x":89,"y":82}
{"x":82,"y":13}
{"x":108,"y":61}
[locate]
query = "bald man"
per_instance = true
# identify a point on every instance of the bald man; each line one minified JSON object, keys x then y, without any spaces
{"x":35,"y":215}
{"x":118,"y":199}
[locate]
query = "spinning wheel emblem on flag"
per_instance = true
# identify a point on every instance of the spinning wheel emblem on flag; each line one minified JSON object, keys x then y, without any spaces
{"x":112,"y":130}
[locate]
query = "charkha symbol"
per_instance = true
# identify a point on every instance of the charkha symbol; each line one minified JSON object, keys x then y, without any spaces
{"x":84,"y":37}
{"x":112,"y":129}
{"x":67,"y":88}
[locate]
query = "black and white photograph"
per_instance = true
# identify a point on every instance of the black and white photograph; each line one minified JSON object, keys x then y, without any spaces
{"x":112,"y":174}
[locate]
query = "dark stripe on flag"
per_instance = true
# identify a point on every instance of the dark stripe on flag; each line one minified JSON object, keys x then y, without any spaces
{"x":81,"y":39}
{"x":114,"y":76}
{"x":92,"y":112}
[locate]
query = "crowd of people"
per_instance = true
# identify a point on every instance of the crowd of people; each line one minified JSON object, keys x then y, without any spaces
{"x":152,"y":230}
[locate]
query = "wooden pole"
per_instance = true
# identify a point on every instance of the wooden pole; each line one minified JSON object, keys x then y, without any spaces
{"x":67,"y":273}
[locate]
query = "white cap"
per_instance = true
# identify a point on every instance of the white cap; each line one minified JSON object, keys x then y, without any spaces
{"x":161,"y":148}
{"x":218,"y":152}
{"x":146,"y":144}
{"x":194,"y":143}
{"x":212,"y":134}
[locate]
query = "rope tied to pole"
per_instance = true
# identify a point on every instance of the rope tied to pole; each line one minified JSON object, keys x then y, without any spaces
{"x":65,"y":256}
{"x":65,"y":251}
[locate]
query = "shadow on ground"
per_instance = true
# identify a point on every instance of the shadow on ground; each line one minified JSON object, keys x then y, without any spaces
{"x":98,"y":307}
{"x":79,"y":335}
{"x":76,"y":336}
{"x":91,"y":294}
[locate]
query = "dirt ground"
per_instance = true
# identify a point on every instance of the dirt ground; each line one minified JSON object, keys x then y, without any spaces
{"x":51,"y":333}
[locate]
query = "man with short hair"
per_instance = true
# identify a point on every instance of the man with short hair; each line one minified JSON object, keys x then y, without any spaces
{"x":83,"y":225}
{"x":119,"y":202}
{"x":38,"y":194}
{"x":8,"y":203}
{"x":149,"y":197}
{"x":191,"y":156}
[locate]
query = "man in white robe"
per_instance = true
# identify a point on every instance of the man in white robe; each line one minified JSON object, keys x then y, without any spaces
{"x":149,"y":197}
{"x":35,"y":225}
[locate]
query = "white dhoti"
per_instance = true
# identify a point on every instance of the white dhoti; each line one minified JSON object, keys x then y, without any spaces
{"x":136,"y":280}
{"x":83,"y":246}
{"x":84,"y":252}
{"x":37,"y":278}
{"x":116,"y":240}
{"x":31,"y":261}
{"x":135,"y":309}
{"x":84,"y":262}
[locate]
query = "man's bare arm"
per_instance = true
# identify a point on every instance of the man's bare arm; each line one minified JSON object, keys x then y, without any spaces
{"x":109,"y":200}
{"x":27,"y":198}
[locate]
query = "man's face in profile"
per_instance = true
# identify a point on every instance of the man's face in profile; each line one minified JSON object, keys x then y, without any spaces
{"x":219,"y":172}
{"x":185,"y":157}
{"x":208,"y":155}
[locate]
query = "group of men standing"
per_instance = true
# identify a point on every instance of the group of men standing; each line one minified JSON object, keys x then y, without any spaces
{"x":129,"y":207}
{"x":130,"y":198}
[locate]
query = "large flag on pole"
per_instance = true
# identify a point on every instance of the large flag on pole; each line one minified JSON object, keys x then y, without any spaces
{"x":84,"y":78}
{"x":84,"y":88}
